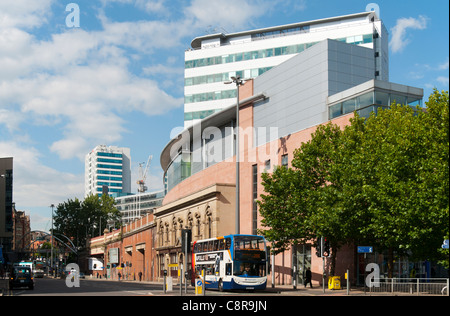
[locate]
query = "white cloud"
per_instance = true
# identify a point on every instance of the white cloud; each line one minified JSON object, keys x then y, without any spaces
{"x":10,"y":119}
{"x":80,"y":79}
{"x":444,"y":65}
{"x":35,"y":184}
{"x":399,"y":39}
{"x":24,"y":13}
{"x":89,"y":101}
{"x":232,"y":14}
{"x":443,"y":80}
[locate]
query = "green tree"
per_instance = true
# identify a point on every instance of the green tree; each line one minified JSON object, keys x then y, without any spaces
{"x":302,"y":202}
{"x":81,"y":220}
{"x":382,"y":180}
{"x":67,"y":219}
{"x":284,"y":209}
{"x":404,"y":173}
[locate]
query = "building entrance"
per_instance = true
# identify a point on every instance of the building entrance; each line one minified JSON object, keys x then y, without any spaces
{"x":302,"y":261}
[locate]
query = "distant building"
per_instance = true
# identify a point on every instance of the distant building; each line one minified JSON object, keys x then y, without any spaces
{"x":6,"y":204}
{"x":135,"y":206}
{"x":22,"y":232}
{"x":108,"y":171}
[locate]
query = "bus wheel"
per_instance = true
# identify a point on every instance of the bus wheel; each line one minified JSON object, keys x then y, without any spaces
{"x":220,"y":285}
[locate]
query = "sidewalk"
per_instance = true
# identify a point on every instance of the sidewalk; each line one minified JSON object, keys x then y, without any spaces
{"x":278,"y":290}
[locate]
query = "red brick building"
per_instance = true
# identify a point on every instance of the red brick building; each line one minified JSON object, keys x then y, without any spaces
{"x":128,"y":251}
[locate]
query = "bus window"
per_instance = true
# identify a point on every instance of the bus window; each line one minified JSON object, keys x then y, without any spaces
{"x":215,"y":245}
{"x":227,"y":243}
{"x":221,"y":244}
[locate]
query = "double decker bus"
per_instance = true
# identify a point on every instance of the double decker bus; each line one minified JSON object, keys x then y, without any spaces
{"x":233,"y":262}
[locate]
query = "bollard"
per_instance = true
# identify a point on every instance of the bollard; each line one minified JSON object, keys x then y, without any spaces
{"x":185,"y":282}
{"x":347,"y":277}
{"x":204,"y":281}
{"x":165,"y":275}
{"x":294,"y":276}
{"x":181,"y":280}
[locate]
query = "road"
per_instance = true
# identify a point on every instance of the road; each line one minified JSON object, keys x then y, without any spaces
{"x":94,"y":287}
{"x":57,"y":287}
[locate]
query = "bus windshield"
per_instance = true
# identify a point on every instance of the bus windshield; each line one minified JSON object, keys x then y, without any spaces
{"x":249,"y":269}
{"x":249,"y":256}
{"x":249,"y":243}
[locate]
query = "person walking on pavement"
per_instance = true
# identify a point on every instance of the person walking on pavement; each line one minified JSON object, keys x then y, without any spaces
{"x":140,"y":276}
{"x":308,"y":277}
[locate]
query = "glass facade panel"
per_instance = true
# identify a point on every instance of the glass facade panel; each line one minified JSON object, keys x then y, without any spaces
{"x":277,"y":51}
{"x":109,"y":155}
{"x":348,"y":106}
{"x":398,"y":99}
{"x":371,"y":102}
{"x":179,"y":170}
{"x":366,"y":112}
{"x":381,"y":98}
{"x":365,"y":100}
{"x":368,"y":38}
{"x":413,"y":102}
{"x":335,"y":111}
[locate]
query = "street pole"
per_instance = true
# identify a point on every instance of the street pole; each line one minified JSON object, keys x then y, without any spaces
{"x":185,"y":259}
{"x":238,"y":81}
{"x":323,"y":263}
{"x":51,"y":246}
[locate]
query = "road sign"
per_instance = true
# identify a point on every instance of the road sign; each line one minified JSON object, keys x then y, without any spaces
{"x":198,"y":287}
{"x":365,"y":249}
{"x":445,"y":244}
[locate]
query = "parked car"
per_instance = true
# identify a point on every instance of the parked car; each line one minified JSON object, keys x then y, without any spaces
{"x":21,"y":277}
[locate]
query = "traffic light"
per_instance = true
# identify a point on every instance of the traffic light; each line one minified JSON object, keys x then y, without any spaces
{"x":186,"y":238}
{"x":318,"y":247}
{"x":326,"y":247}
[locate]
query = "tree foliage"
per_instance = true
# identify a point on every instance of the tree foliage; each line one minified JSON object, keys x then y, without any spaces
{"x":381,"y":181}
{"x":81,"y":220}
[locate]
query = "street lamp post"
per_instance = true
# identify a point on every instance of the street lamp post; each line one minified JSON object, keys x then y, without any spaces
{"x":238,"y":81}
{"x":51,"y":246}
{"x":1,"y":238}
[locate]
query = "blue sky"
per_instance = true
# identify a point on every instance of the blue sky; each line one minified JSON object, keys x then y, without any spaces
{"x":118,"y":78}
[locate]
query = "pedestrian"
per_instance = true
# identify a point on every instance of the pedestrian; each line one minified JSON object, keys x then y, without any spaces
{"x":140,"y":276}
{"x":308,"y":277}
{"x":119,"y":275}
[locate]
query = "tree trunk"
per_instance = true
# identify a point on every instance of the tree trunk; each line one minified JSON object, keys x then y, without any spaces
{"x":390,"y":262}
{"x":333,"y":261}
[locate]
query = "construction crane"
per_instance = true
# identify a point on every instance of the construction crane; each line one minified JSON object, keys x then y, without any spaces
{"x":143,"y":175}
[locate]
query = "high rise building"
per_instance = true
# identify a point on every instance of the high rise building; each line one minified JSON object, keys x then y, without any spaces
{"x":214,"y":59}
{"x":108,"y":170}
{"x":6,"y":206}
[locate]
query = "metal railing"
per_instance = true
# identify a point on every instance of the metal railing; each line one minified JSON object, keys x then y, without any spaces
{"x":410,"y":286}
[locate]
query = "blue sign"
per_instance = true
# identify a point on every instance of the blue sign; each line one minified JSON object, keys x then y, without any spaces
{"x":365,"y":249}
{"x":199,"y":283}
{"x":445,"y":244}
